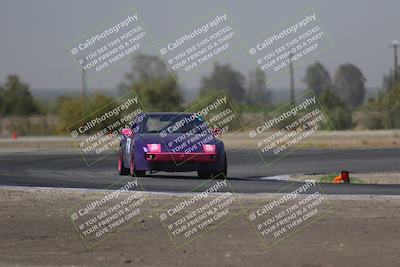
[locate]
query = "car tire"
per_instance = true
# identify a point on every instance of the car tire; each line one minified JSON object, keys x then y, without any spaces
{"x":223,"y":171}
{"x":225,"y":168}
{"x":134,"y":172}
{"x":121,"y":168}
{"x":205,"y":174}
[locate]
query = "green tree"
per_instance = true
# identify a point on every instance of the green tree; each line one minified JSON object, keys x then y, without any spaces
{"x":151,"y":80}
{"x":337,"y":110}
{"x":388,"y":80}
{"x":159,"y":94}
{"x":317,"y":78}
{"x":224,"y":77}
{"x":1,"y":99}
{"x":384,"y":111}
{"x":349,"y":84}
{"x":146,"y":68}
{"x":72,"y":111}
{"x":391,"y":108}
{"x":16,"y":99}
{"x":257,"y":93}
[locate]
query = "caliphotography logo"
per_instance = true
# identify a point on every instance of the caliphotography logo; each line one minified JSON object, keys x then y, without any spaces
{"x":199,"y":133}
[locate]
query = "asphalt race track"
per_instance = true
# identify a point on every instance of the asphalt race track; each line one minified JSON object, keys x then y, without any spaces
{"x":246,"y":171}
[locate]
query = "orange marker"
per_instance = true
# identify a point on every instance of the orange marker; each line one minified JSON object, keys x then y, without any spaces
{"x":338,"y":179}
{"x":343,"y":177}
{"x":14,"y":135}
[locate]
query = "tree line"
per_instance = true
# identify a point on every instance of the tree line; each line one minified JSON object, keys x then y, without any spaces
{"x":341,"y":94}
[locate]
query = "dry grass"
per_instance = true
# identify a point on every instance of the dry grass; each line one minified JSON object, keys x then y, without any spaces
{"x":321,"y":140}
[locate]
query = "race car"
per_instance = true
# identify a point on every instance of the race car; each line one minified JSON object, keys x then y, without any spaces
{"x":171,"y":142}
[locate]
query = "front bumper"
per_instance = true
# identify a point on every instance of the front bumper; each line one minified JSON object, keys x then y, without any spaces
{"x":180,"y":157}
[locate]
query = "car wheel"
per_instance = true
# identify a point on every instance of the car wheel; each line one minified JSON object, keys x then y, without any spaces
{"x":225,"y":169}
{"x":134,"y":172}
{"x":205,"y":174}
{"x":121,"y":168}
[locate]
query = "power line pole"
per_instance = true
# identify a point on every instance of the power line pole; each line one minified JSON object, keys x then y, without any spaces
{"x":395,"y":45}
{"x":291,"y":77}
{"x":84,"y":86}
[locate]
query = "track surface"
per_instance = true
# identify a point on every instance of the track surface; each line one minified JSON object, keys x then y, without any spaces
{"x":245,"y":169}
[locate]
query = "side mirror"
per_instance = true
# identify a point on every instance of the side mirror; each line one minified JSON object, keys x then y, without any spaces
{"x":126,"y":132}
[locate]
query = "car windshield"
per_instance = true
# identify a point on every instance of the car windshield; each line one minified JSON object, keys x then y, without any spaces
{"x":171,"y":123}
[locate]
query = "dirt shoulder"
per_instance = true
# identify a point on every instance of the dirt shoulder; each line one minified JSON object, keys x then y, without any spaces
{"x":332,"y":140}
{"x":325,"y":140}
{"x":35,"y":230}
{"x":357,"y":178}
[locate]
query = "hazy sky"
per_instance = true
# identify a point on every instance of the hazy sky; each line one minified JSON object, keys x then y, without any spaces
{"x":34,"y":34}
